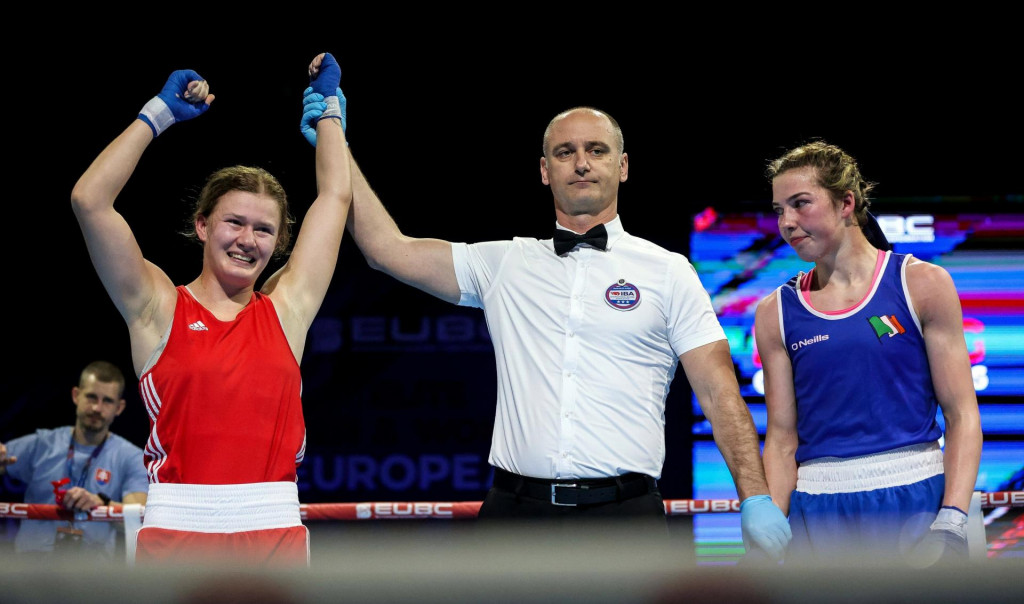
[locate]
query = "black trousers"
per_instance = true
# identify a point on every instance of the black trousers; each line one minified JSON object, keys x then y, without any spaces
{"x":505,"y":507}
{"x":502,"y":504}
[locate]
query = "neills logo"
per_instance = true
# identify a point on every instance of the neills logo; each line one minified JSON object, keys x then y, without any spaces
{"x":821,"y":337}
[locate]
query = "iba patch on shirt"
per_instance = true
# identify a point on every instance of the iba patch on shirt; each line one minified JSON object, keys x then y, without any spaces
{"x":622,"y":295}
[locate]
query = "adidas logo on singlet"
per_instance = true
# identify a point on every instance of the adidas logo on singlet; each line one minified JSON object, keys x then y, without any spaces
{"x":198,"y":326}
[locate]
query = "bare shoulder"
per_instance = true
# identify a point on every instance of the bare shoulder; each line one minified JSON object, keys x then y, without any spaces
{"x":768,"y":303}
{"x":767,"y":310}
{"x":927,"y":278}
{"x":766,"y":321}
{"x":932,"y":290}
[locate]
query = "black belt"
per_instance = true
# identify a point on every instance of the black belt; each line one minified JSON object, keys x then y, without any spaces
{"x":576,"y":491}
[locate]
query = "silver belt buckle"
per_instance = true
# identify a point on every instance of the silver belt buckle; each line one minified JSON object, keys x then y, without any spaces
{"x":555,"y":486}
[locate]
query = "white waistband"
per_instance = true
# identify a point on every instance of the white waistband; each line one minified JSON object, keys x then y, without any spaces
{"x":222,"y":508}
{"x":894,"y":468}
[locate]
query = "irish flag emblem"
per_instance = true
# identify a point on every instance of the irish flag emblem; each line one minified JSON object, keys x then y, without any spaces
{"x":886,"y":326}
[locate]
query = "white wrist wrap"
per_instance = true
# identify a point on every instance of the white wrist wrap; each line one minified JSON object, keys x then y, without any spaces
{"x":951,"y":520}
{"x":158,"y":114}
{"x":333,"y":107}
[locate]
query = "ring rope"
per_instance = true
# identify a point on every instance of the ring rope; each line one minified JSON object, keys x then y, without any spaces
{"x":416,"y":510}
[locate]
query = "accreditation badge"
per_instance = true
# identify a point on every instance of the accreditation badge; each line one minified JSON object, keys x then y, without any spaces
{"x":622,"y":295}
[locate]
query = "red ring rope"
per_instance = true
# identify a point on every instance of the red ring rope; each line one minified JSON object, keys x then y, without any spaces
{"x":415,"y":510}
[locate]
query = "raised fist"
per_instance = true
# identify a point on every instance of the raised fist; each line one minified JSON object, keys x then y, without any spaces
{"x":185,"y":96}
{"x":324,"y":74}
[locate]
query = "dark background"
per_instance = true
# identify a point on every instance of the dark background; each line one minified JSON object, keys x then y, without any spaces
{"x":446,"y":121}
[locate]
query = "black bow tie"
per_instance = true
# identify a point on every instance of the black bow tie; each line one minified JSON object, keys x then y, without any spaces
{"x":565,"y":240}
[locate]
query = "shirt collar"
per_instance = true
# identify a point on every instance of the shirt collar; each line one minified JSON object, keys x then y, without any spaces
{"x":613,"y":226}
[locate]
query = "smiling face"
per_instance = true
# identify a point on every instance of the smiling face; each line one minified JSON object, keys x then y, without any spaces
{"x":810,"y":220}
{"x":243,"y":178}
{"x":239,"y":236}
{"x":583,"y":163}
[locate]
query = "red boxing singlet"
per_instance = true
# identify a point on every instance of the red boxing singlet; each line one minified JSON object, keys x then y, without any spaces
{"x":223,"y":399}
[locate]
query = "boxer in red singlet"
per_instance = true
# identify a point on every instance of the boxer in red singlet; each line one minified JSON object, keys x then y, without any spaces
{"x":218,"y":359}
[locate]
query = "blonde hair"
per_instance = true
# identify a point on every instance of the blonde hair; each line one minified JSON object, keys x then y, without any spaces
{"x":250,"y":180}
{"x":835,"y":170}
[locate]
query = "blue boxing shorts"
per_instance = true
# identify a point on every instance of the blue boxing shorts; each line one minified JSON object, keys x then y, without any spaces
{"x":866,"y":509}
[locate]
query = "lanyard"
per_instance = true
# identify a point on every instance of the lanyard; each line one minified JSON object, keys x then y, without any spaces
{"x":88,"y":462}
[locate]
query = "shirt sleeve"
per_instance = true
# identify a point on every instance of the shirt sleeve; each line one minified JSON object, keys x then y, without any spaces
{"x":137,"y":479}
{"x":476,"y":267}
{"x":25,"y":449}
{"x":692,"y":321}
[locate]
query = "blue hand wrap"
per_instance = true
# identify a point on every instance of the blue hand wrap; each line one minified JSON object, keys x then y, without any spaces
{"x":170,"y":105}
{"x":945,"y":542}
{"x":328,"y":79}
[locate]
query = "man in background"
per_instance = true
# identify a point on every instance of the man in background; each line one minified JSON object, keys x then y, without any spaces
{"x":79,"y":467}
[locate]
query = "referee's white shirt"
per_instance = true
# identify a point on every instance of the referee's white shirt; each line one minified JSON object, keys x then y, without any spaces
{"x":586,"y":346}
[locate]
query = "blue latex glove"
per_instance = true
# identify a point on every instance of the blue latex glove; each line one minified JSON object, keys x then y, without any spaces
{"x":313,"y":107}
{"x":764,"y":525}
{"x":172,"y":104}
